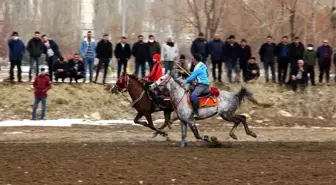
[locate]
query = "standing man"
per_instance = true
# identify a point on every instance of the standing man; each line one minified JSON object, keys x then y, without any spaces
{"x":283,"y":59}
{"x":41,"y":86}
{"x":140,"y":53}
{"x":170,"y":54}
{"x":153,"y":48}
{"x":104,"y":54}
{"x":16,"y":52}
{"x":88,"y":53}
{"x":231,"y":56}
{"x":324,"y":53}
{"x":310,"y":59}
{"x":216,"y":50}
{"x":244,"y":56}
{"x":200,"y":46}
{"x":267,"y":54}
{"x":35,"y":48}
{"x":123,"y":53}
{"x":51,"y":50}
{"x":296,"y":52}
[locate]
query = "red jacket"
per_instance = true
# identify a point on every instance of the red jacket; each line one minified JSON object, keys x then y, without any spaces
{"x":41,"y":85}
{"x":156,"y":72}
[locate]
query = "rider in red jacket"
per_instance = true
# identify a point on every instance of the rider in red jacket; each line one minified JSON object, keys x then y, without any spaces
{"x":156,"y":72}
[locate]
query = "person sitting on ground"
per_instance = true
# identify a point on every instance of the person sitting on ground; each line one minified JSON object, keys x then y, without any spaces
{"x":154,"y":75}
{"x":76,"y":68}
{"x":61,"y":69}
{"x":182,"y":63}
{"x":299,"y":76}
{"x":203,"y":84}
{"x":252,"y":70}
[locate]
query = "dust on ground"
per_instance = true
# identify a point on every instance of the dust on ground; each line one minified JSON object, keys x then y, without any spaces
{"x":315,"y":107}
{"x":127,"y":154}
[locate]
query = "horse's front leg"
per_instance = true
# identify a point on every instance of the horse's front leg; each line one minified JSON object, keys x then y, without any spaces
{"x":184,"y":134}
{"x":151,"y":125}
{"x":166,"y":122}
{"x":194,"y":129}
{"x":137,"y":120}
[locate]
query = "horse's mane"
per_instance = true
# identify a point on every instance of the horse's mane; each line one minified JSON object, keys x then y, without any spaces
{"x":177,"y":78}
{"x":136,"y":79}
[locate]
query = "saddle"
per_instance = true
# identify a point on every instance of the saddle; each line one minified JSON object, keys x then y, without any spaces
{"x":207,"y":99}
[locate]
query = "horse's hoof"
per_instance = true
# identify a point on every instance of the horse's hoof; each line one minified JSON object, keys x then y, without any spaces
{"x":183,"y":144}
{"x":164,"y":134}
{"x":253,"y":134}
{"x":155,"y":134}
{"x":214,"y":139}
{"x":205,"y":138}
{"x":169,"y":125}
{"x":233,"y":136}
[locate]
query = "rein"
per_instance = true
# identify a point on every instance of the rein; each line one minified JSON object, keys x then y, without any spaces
{"x":125,"y":89}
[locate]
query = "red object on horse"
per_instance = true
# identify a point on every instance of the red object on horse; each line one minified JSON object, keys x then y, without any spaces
{"x":214,"y":91}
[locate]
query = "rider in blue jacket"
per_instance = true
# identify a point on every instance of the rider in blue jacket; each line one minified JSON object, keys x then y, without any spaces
{"x":200,"y":73}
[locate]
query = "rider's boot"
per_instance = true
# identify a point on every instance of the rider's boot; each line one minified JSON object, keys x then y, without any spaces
{"x":195,"y":108}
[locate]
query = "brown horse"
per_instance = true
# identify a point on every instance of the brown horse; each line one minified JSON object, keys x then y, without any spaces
{"x":142,"y":102}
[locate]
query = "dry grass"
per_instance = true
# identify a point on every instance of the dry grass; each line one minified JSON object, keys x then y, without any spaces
{"x":78,"y":100}
{"x":64,"y":101}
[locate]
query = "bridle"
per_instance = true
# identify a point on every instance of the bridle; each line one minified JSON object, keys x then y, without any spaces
{"x":125,"y":83}
{"x":163,"y":83}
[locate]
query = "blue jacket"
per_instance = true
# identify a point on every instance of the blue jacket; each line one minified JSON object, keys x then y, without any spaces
{"x":84,"y":46}
{"x":320,"y":53}
{"x":16,"y":49}
{"x":200,"y":73}
{"x":216,"y":49}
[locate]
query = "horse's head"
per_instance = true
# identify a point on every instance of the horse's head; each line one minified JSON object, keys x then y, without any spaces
{"x":163,"y":81}
{"x":120,"y":86}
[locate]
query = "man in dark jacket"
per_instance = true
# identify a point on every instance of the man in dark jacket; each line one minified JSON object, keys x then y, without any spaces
{"x":299,"y":76}
{"x":51,"y":50}
{"x":35,"y":48}
{"x":296,"y":52}
{"x":252,"y":70}
{"x":61,"y":69}
{"x":104,"y":54}
{"x":310,"y":61}
{"x":244,"y":55}
{"x":123,"y":53}
{"x":283,"y":59}
{"x":41,"y":86}
{"x":216,"y":50}
{"x":16,"y":52}
{"x":200,"y":46}
{"x":267,"y":54}
{"x":231,"y":52}
{"x":324,"y":54}
{"x":76,"y":68}
{"x":153,"y":48}
{"x":140,"y":53}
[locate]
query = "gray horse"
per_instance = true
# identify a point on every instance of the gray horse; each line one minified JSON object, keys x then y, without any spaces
{"x":227,"y":106}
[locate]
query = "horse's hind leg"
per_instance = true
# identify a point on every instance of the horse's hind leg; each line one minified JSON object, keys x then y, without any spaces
{"x":242,"y":118}
{"x":166,"y":123}
{"x":236,"y":122}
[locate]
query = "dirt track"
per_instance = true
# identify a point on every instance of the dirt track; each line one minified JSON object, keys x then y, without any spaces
{"x":128,"y":155}
{"x":161,"y":163}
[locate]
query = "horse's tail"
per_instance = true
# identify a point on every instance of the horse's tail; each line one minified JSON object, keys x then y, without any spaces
{"x":246,"y":93}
